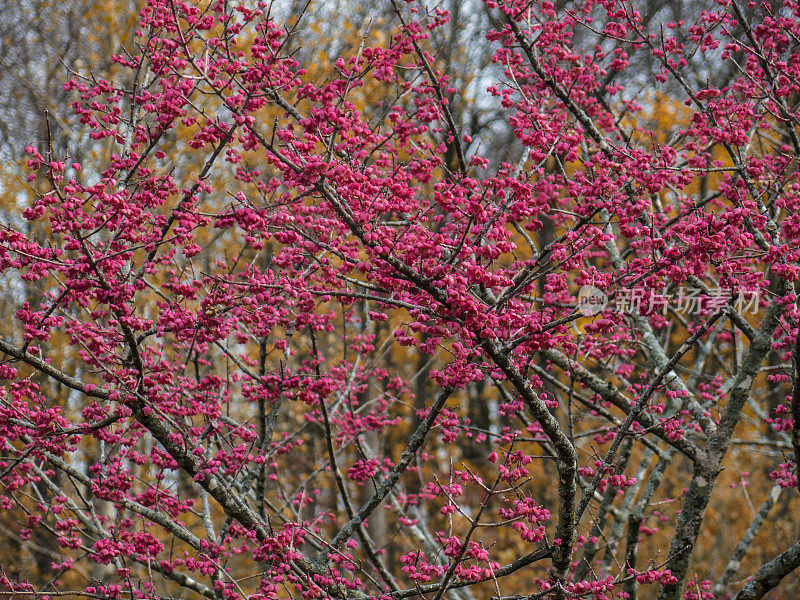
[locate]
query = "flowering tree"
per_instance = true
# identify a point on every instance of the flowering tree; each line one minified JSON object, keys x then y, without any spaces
{"x":212,"y":384}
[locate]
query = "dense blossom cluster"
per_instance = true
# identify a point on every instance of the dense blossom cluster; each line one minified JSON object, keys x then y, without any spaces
{"x":197,"y":378}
